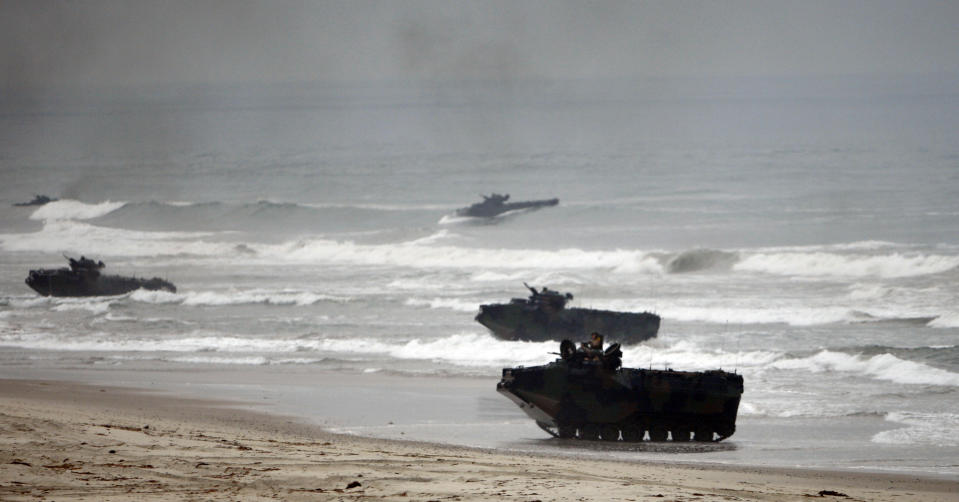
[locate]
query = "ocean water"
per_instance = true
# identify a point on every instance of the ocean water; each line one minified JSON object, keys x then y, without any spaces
{"x":807,"y":240}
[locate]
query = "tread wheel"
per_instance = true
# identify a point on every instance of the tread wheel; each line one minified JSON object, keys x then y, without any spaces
{"x":725,"y":430}
{"x":632,"y":433}
{"x":589,"y":432}
{"x":610,"y":433}
{"x":658,"y":433}
{"x":703,"y":434}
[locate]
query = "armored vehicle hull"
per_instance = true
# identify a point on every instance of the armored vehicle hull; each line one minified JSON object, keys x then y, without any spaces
{"x":496,"y":205}
{"x":83,"y":278}
{"x":544,"y":316}
{"x":515,"y":321}
{"x":588,"y":400}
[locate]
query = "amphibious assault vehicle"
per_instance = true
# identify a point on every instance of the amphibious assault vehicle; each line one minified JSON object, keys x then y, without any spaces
{"x":496,"y":204}
{"x":544,"y":316}
{"x":38,"y":200}
{"x":587,"y":396}
{"x":83,"y":278}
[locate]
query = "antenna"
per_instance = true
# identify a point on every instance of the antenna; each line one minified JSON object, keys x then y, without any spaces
{"x":739,"y":353}
{"x":722,"y":343}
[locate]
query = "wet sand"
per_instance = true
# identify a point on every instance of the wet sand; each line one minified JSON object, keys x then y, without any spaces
{"x":66,"y":441}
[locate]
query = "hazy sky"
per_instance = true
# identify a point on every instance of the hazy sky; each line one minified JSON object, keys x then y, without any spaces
{"x":123,"y":42}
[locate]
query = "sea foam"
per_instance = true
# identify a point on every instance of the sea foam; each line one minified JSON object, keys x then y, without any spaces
{"x":932,"y":429}
{"x":216,"y":298}
{"x":74,"y":210}
{"x":456,"y":304}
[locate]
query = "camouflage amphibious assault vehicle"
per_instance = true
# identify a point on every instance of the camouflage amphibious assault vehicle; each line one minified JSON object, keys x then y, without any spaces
{"x":496,"y":204}
{"x":83,"y":278}
{"x":37,"y":200}
{"x":586,"y":397}
{"x":544,"y":316}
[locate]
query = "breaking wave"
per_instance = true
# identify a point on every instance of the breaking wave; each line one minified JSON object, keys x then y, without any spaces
{"x":438,"y":250}
{"x":68,"y":209}
{"x":688,"y":356}
{"x":793,"y":316}
{"x":101,"y":305}
{"x":445,"y":303}
{"x":932,"y":429}
{"x":950,"y":320}
{"x":213,"y":298}
{"x":263,"y":216}
{"x":696,"y":260}
{"x":467,"y":349}
{"x":92,"y":240}
{"x":94,"y":306}
{"x":416,"y":255}
{"x":882,"y":366}
{"x":819,"y":264}
{"x":793,"y":313}
{"x":476,"y":352}
{"x":463,"y":349}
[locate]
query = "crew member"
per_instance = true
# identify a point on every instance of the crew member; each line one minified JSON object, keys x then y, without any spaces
{"x":594,"y":348}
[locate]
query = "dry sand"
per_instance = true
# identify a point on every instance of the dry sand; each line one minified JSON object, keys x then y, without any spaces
{"x":64,"y":441}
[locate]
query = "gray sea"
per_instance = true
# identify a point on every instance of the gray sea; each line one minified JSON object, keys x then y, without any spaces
{"x":802,"y":234}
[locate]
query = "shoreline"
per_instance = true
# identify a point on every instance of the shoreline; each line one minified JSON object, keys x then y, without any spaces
{"x":70,"y":441}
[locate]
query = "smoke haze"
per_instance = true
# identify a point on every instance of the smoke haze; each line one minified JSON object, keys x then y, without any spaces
{"x":136,"y":43}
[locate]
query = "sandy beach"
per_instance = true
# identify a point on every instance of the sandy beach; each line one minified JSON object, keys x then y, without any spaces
{"x":66,"y":441}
